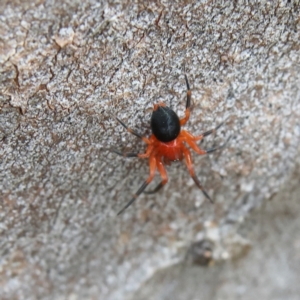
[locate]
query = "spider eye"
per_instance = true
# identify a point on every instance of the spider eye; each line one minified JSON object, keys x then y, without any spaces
{"x":165,"y":124}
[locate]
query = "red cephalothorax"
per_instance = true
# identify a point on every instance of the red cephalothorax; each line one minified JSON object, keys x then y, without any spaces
{"x":168,"y":143}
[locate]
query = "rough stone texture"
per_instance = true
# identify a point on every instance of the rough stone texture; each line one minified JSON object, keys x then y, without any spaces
{"x":270,"y":270}
{"x":66,"y":68}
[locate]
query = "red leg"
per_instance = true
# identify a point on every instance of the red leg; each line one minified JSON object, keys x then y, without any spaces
{"x":147,"y":153}
{"x":195,"y":147}
{"x":190,"y":140}
{"x":163,"y":174}
{"x":188,"y":160}
{"x":188,"y":103}
{"x":152,"y":164}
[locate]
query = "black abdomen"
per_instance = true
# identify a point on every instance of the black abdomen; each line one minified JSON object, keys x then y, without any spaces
{"x":165,"y":124}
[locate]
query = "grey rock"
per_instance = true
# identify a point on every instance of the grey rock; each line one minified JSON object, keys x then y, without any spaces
{"x":68,"y":67}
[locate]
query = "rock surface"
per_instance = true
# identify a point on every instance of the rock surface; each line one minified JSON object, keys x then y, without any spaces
{"x":269,"y":270}
{"x":68,"y":67}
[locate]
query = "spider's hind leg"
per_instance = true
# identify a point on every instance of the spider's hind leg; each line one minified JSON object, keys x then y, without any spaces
{"x":152,"y":163}
{"x":188,"y":160}
{"x":163,"y":174}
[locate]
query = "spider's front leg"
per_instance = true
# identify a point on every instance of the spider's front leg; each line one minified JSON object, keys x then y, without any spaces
{"x":188,"y":102}
{"x":191,"y":141}
{"x":132,"y":131}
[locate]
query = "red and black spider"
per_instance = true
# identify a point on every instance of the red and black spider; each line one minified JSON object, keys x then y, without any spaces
{"x":167,"y":144}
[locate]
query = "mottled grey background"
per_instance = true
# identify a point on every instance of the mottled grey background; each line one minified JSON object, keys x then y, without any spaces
{"x":67,"y":68}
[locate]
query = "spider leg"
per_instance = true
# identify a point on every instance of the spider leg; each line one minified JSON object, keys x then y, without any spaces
{"x":133,"y":154}
{"x":163,"y":174}
{"x":188,"y":103}
{"x":188,"y":160}
{"x":152,"y":163}
{"x":133,"y":131}
{"x":208,"y":132}
{"x":128,"y":154}
{"x":219,"y":147}
{"x":157,"y":188}
{"x":188,"y":96}
{"x":190,"y":140}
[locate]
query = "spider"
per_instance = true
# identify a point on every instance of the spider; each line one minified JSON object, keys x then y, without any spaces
{"x":167,"y":144}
